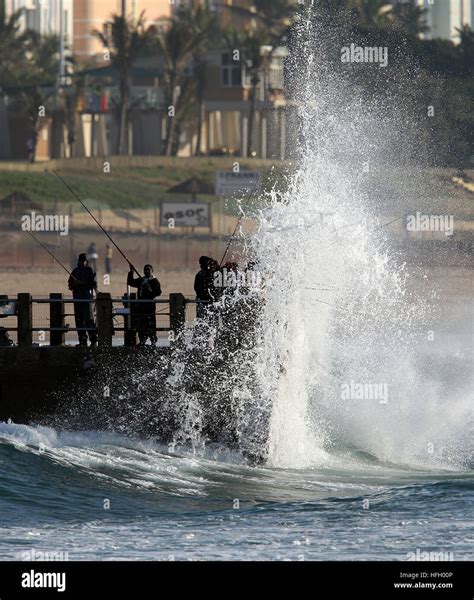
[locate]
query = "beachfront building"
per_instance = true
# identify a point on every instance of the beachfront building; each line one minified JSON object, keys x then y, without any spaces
{"x":232,"y":123}
{"x":227,"y":110}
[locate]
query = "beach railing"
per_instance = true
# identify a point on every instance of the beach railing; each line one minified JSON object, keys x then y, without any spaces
{"x":24,"y":316}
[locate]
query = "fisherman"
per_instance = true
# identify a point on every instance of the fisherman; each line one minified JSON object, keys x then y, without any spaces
{"x":201,"y":287}
{"x":149,"y":288}
{"x":83,"y":284}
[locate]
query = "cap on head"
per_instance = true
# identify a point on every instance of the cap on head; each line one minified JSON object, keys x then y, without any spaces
{"x":204,"y":261}
{"x":82,"y":257}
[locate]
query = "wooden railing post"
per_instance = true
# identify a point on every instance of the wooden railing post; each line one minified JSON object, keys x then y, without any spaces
{"x":25,"y":320}
{"x":130,"y":325}
{"x":177,"y":312}
{"x":104,"y":319}
{"x":56,"y":319}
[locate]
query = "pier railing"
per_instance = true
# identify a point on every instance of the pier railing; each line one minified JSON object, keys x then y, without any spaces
{"x":24,"y":315}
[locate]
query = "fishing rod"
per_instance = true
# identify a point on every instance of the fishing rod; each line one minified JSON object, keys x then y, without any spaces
{"x":52,"y":255}
{"x":90,"y":213}
{"x":249,"y":197}
{"x":360,"y":223}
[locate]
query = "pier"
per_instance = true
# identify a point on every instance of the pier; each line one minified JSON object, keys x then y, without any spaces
{"x":43,"y":355}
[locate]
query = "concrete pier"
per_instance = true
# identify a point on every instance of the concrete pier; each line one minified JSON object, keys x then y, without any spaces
{"x":31,"y":374}
{"x":30,"y":377}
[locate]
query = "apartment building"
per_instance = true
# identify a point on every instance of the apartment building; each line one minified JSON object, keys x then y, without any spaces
{"x":45,"y":16}
{"x":90,"y":15}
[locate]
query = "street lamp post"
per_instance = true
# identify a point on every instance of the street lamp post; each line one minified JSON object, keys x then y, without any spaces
{"x":61,"y":45}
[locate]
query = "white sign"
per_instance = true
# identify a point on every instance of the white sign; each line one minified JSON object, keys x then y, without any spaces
{"x":185,"y":214}
{"x":229,"y":183}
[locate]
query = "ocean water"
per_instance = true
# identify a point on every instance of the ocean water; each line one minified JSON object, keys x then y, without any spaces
{"x":98,"y":496}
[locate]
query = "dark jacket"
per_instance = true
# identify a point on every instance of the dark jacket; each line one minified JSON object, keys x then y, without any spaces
{"x":148,"y":289}
{"x":82,"y":282}
{"x":202,"y":285}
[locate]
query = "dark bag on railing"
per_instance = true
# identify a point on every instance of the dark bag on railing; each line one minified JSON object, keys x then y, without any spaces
{"x":4,"y":338}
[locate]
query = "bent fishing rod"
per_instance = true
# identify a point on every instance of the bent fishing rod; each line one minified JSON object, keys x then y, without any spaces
{"x":52,"y":255}
{"x":242,"y":214}
{"x":90,"y":213}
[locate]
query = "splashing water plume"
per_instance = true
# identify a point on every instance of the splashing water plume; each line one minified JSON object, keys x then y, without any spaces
{"x":337,"y":312}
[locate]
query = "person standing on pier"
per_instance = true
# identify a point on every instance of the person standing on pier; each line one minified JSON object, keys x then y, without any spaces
{"x":149,"y":288}
{"x":202,"y":283}
{"x":82,"y":282}
{"x":108,"y":259}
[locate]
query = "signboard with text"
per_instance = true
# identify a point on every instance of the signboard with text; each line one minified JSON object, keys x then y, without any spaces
{"x":185,"y":214}
{"x":229,"y":183}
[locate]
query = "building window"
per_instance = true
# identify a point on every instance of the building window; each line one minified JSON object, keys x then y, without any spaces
{"x":231,"y":71}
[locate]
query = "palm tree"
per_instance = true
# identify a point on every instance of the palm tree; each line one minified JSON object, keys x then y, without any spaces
{"x":410,"y":19}
{"x":43,"y":52}
{"x":128,"y":39}
{"x":466,"y":49}
{"x":31,"y":100}
{"x":372,"y":13}
{"x":249,"y":43}
{"x":29,"y":64}
{"x":274,"y":15}
{"x":269,"y":22}
{"x":204,"y":24}
{"x":177,"y":43}
{"x":12,"y":49}
{"x":379,"y":13}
